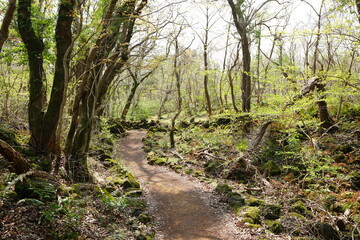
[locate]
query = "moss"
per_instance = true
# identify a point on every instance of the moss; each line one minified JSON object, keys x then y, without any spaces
{"x":235,"y":200}
{"x":36,"y":188}
{"x":255,"y":202}
{"x":213,"y":167}
{"x":252,"y":225}
{"x":223,"y":188}
{"x":130,"y":182}
{"x":325,"y":231}
{"x":299,"y":208}
{"x":254,"y":213}
{"x":144,"y":218}
{"x":275,"y":226}
{"x":271,"y":168}
{"x":271,"y":211}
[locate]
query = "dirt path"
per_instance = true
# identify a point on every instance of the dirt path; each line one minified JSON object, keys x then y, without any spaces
{"x":182,"y":207}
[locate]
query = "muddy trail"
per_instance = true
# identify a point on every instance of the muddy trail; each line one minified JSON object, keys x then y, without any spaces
{"x":183,"y":208}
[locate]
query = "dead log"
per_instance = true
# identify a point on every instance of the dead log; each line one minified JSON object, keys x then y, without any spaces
{"x":19,"y":163}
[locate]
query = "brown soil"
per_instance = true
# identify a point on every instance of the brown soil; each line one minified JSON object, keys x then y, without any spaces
{"x":183,"y":208}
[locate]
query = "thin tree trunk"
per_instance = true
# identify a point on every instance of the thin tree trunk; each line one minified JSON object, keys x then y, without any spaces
{"x":178,"y":91}
{"x":129,"y":100}
{"x":4,"y":30}
{"x":206,"y":66}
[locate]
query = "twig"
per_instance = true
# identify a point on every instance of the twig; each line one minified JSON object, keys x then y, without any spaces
{"x":175,"y":153}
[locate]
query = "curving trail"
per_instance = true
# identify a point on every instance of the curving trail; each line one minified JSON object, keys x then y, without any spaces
{"x":182,"y":207}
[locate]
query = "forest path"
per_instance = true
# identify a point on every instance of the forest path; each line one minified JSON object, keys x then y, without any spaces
{"x":183,"y":208}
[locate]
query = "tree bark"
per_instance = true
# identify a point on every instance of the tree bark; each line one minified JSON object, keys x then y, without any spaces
{"x":19,"y":163}
{"x":63,"y":37}
{"x":178,"y":91}
{"x":206,"y":66}
{"x":241,"y":27}
{"x":129,"y":100}
{"x":35,"y":47}
{"x":357,"y":2}
{"x":97,"y":81}
{"x":4,"y":30}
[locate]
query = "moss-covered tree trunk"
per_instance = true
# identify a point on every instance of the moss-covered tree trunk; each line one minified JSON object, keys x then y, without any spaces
{"x":43,"y":124}
{"x":111,"y":45}
{"x":35,"y":47}
{"x":241,"y":27}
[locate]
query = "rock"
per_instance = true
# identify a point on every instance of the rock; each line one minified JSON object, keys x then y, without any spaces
{"x":213,"y":167}
{"x":254,"y":202}
{"x":346,"y":149}
{"x":271,"y":168}
{"x":275,"y":226}
{"x":254,"y":213}
{"x":271,"y":211}
{"x":223,"y":188}
{"x":355,"y":181}
{"x":223,"y":121}
{"x":299,"y":208}
{"x":235,"y":200}
{"x":116,"y":126}
{"x":144,"y":218}
{"x":36,"y":188}
{"x":130,"y":182}
{"x":325,"y":231}
{"x":206,"y":124}
{"x":294,"y":224}
{"x":9,"y":137}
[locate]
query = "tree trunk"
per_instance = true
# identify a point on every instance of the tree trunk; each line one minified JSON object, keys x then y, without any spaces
{"x":358,"y":8}
{"x":97,"y":81}
{"x":246,"y":78}
{"x":232,"y":92}
{"x":129,"y":100}
{"x":4,"y":30}
{"x":206,"y":66}
{"x":178,"y":91}
{"x":241,"y":27}
{"x":35,"y":48}
{"x":63,"y":37}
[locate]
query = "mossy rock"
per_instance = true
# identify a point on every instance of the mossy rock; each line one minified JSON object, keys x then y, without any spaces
{"x":254,"y":213}
{"x":271,"y":211}
{"x":355,"y":181}
{"x":252,"y":226}
{"x":235,"y":200}
{"x":130,"y":182}
{"x":271,"y":168}
{"x":144,"y":218}
{"x":294,"y":224}
{"x":36,"y":188}
{"x":160,"y":161}
{"x":255,"y":202}
{"x":9,"y":137}
{"x":223,"y":188}
{"x":275,"y":226}
{"x":300,"y":208}
{"x":325,"y":231}
{"x":213,"y":167}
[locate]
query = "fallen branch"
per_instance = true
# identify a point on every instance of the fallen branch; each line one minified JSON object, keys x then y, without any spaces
{"x":19,"y":163}
{"x":206,"y":154}
{"x":175,"y":153}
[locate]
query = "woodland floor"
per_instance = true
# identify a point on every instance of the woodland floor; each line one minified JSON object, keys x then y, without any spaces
{"x":182,"y":207}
